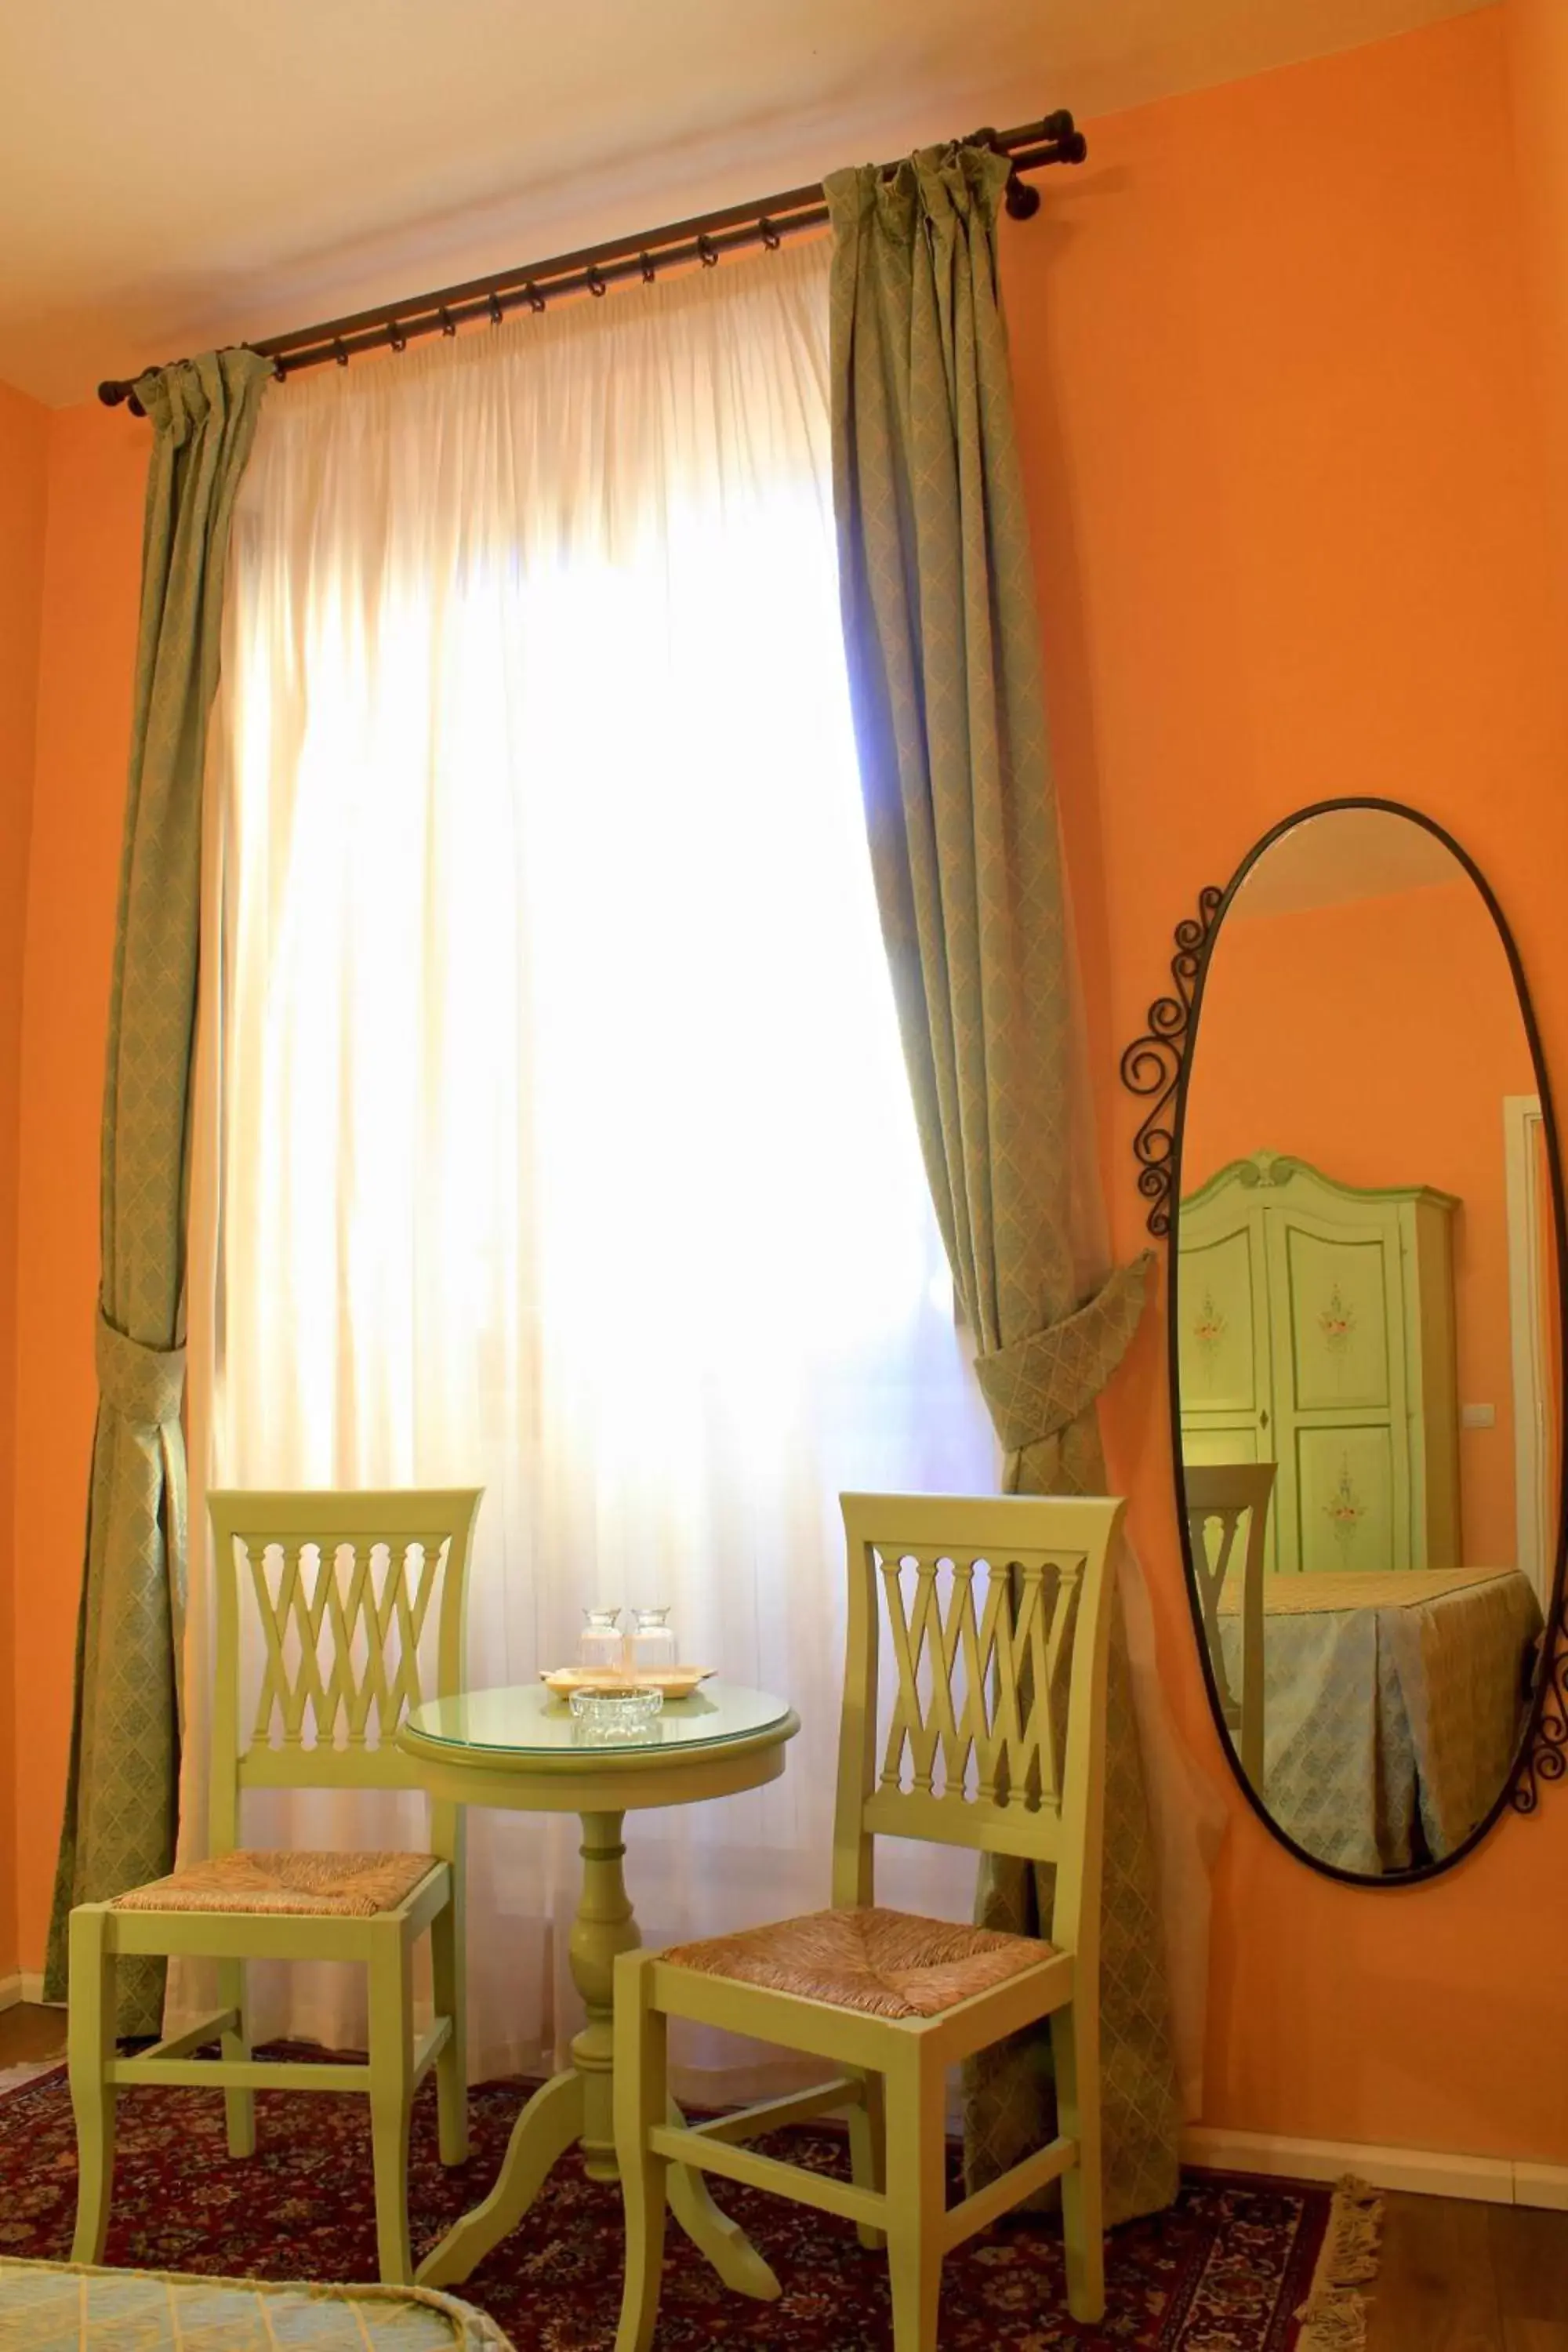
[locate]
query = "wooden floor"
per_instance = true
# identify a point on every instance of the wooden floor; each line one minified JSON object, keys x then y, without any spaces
{"x":27,"y":2035}
{"x":1455,"y":2277}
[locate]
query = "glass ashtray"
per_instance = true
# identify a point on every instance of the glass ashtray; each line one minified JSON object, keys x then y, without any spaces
{"x":611,"y":1715}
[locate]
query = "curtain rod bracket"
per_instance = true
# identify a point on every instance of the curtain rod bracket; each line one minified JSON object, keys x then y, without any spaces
{"x":1022,"y":201}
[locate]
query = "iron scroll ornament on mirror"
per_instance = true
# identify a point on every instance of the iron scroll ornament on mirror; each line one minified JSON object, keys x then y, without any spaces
{"x":1158,"y":1064}
{"x":1153,"y":1063}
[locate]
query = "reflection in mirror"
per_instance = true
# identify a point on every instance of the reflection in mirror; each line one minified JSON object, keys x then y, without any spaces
{"x":1367,"y":1342}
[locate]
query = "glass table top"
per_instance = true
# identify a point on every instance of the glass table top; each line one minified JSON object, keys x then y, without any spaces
{"x":527,"y":1720}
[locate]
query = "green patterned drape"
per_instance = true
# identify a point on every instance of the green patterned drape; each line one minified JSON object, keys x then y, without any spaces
{"x":121,"y":1797}
{"x":943,"y":647}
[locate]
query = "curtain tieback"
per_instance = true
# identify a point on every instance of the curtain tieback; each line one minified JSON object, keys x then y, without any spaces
{"x":142,"y":1384}
{"x":1040,"y":1384}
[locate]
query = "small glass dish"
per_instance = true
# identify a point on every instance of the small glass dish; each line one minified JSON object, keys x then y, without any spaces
{"x":616,"y":1714}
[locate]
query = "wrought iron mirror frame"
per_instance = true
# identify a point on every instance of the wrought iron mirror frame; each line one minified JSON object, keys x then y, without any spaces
{"x":1156,"y":1066}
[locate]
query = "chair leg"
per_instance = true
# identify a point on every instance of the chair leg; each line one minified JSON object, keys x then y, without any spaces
{"x":91,"y":2047}
{"x":1075,"y":2047}
{"x":917,"y":2198}
{"x":239,"y":2106}
{"x":869,"y":2154}
{"x":447,"y":1986}
{"x":641,"y":2096}
{"x":391,"y":2100}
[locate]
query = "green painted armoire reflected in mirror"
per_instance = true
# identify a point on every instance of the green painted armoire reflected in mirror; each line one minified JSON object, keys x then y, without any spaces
{"x":1316,"y":1331}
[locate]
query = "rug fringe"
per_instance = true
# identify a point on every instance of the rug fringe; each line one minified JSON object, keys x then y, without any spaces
{"x":1333,"y":2317}
{"x":14,"y":2078}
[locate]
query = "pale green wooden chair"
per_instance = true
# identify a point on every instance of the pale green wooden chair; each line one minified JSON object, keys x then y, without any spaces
{"x":1219,"y":1496}
{"x":995,"y":1741}
{"x":342,"y":1586}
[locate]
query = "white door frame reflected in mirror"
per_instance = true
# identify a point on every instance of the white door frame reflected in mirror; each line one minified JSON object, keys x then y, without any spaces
{"x":1528,"y":1173}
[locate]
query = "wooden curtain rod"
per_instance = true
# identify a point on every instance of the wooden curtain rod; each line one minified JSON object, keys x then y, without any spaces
{"x":704,"y":238}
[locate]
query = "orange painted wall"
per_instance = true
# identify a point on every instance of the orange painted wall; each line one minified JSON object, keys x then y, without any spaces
{"x":93,"y":563}
{"x":24,"y":441}
{"x":1376,"y":1039}
{"x":1269,"y":350}
{"x":1273,"y":354}
{"x":1538,"y":61}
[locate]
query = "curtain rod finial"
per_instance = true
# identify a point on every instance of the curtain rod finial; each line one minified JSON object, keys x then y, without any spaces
{"x":116,"y":394}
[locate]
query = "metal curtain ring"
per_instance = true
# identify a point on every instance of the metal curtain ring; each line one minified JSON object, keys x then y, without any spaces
{"x":595,"y":282}
{"x":339,"y":353}
{"x":648,"y":272}
{"x":448,"y":324}
{"x":535,"y":298}
{"x":396,"y":336}
{"x":709,"y":252}
{"x":497,"y":313}
{"x":770,"y":235}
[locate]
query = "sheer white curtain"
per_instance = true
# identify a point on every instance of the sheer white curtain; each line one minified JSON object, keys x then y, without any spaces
{"x":556,"y":1136}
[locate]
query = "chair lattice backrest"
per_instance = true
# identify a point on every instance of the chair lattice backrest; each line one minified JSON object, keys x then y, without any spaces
{"x":995,"y":1617}
{"x":1219,"y":1498}
{"x":344,"y":1590}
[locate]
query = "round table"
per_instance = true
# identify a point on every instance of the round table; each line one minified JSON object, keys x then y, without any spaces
{"x":523,"y":1748}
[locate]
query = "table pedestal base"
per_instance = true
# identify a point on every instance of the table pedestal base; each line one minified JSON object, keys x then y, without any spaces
{"x":579,"y":2104}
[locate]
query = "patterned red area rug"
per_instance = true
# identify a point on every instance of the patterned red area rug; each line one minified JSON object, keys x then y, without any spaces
{"x":1226,"y":2269}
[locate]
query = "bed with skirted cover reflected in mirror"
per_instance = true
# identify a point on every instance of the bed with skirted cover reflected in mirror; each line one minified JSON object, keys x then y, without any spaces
{"x":1351,"y":1148}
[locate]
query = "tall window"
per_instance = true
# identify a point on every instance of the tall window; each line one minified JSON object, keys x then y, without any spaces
{"x":565,"y":1141}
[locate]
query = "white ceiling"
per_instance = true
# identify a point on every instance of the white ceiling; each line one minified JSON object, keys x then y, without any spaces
{"x":174,"y":176}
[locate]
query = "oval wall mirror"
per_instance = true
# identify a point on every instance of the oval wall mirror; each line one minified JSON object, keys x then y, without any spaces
{"x":1366,"y":1252}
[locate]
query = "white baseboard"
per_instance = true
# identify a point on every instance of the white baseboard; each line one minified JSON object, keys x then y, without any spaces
{"x":1542,"y":2184}
{"x":1488,"y":2179}
{"x":26,"y":1985}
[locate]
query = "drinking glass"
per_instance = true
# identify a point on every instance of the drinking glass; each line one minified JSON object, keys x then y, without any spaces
{"x":601,"y":1646}
{"x":653,"y":1653}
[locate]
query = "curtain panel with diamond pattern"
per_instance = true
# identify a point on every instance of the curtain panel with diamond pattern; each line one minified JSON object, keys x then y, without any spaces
{"x":943,"y":644}
{"x":121,"y":1791}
